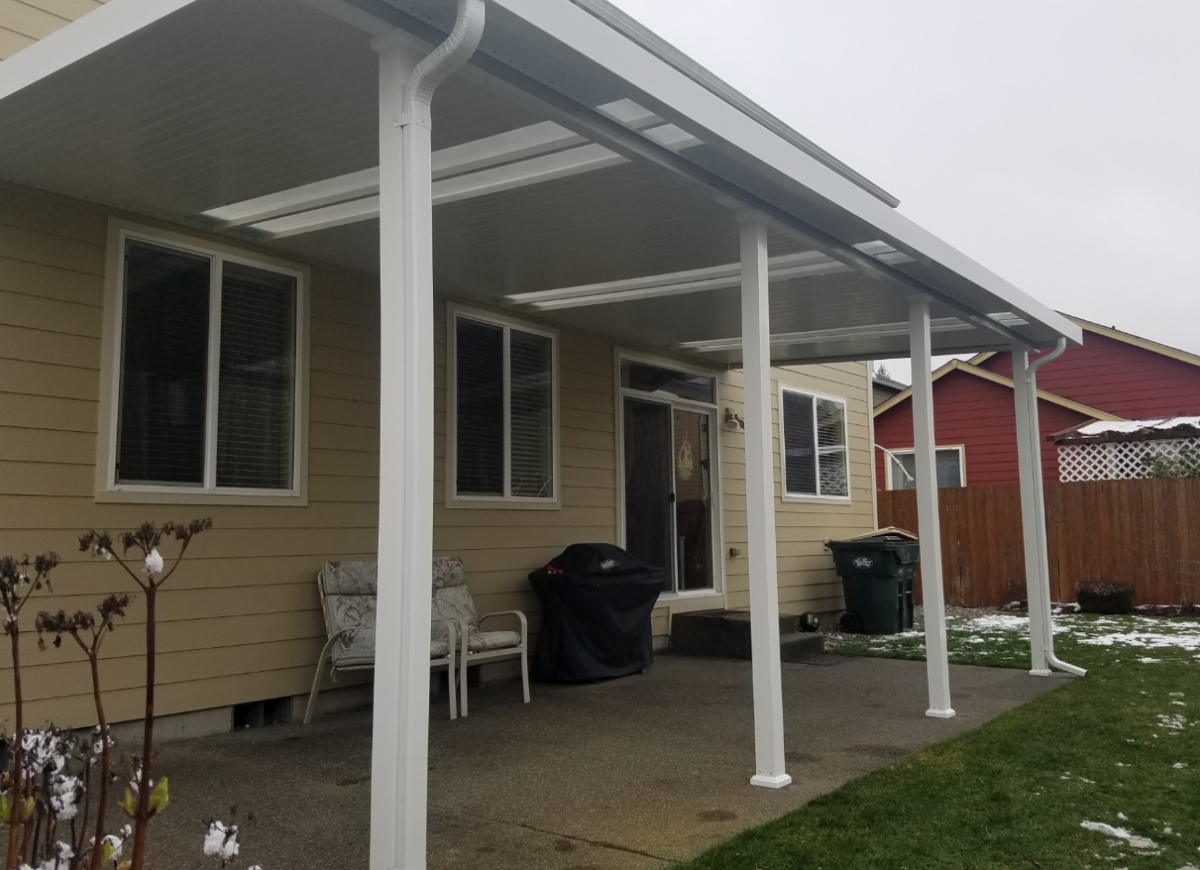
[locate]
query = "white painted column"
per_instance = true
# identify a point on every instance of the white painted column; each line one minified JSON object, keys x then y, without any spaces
{"x":760,"y":512}
{"x":1029,"y":459}
{"x":925,"y":456}
{"x":400,"y":736}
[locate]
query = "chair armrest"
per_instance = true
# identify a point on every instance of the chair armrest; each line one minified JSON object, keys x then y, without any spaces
{"x":518,"y":614}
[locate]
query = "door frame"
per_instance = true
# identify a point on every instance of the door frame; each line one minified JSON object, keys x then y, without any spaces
{"x":702,"y":597}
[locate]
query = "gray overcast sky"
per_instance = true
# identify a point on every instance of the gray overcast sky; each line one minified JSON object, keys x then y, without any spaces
{"x":1055,"y":141}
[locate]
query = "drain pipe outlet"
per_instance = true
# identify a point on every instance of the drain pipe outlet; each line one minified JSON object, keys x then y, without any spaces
{"x":1048,"y":639}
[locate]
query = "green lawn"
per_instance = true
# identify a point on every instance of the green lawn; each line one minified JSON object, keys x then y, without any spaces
{"x":1120,"y":747}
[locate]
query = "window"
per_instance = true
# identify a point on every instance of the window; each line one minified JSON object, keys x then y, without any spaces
{"x":815,"y":460}
{"x":504,"y":411}
{"x":207,"y":372}
{"x":902,"y":468}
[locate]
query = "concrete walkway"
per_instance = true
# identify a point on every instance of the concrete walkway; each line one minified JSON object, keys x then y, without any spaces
{"x":634,"y":773}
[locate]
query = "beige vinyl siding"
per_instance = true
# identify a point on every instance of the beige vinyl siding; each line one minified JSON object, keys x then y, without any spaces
{"x":806,"y":576}
{"x":24,"y":22}
{"x":241,"y":619}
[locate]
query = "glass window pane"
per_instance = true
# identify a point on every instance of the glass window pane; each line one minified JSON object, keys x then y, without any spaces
{"x":904,"y":471}
{"x":531,"y":415}
{"x":257,"y":387}
{"x":800,"y":466}
{"x":666,"y":382}
{"x":949,"y":468}
{"x":479,"y":392}
{"x":164,"y":366}
{"x":831,"y":447}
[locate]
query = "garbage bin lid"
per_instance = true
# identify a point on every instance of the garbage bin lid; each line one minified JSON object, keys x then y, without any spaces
{"x":891,"y":532}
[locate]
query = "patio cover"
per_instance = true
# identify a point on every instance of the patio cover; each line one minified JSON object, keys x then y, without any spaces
{"x":577,"y":170}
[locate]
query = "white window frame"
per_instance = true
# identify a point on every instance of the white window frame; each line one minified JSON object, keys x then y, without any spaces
{"x":783,"y":485}
{"x":908,"y":451}
{"x":690,"y":599}
{"x":120,"y":233}
{"x":473,"y":500}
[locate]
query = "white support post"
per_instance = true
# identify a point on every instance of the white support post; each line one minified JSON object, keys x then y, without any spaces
{"x":760,"y":512}
{"x":400,"y":736}
{"x":1029,"y":462}
{"x":925,"y":455}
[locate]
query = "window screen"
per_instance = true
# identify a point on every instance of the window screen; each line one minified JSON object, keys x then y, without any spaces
{"x":256,"y":394}
{"x":164,"y":367}
{"x":531,"y":416}
{"x":799,"y":435}
{"x":479,"y":368}
{"x":504,"y":403}
{"x":814,"y":445}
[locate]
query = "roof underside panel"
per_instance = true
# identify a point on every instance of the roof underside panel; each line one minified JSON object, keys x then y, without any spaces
{"x":224,"y":101}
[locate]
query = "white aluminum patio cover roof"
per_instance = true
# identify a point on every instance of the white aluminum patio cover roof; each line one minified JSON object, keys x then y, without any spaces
{"x":175,"y":108}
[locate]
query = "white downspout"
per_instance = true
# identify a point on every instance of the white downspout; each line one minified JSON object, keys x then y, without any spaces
{"x":400,"y":732}
{"x":1043,"y":554}
{"x":1033,"y":503}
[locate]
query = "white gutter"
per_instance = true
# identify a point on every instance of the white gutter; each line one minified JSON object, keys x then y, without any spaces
{"x":895,"y":459}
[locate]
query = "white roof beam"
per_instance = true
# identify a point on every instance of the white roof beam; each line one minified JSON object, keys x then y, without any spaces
{"x":845,"y":333}
{"x":323,"y":204}
{"x":802,"y":265}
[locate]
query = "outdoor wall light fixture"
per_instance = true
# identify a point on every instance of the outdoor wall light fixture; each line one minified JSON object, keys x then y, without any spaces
{"x":734,"y":421}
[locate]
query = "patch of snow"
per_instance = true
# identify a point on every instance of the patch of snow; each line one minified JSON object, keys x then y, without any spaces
{"x":1179,"y":765}
{"x":1139,"y":843}
{"x":221,"y":841}
{"x":1175,"y":723}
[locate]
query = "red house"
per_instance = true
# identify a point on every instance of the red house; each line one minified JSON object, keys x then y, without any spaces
{"x":1112,"y":376}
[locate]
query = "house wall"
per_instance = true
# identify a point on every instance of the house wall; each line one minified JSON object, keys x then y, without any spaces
{"x":24,"y":22}
{"x":981,"y":415}
{"x":1117,"y":377}
{"x":241,"y":620}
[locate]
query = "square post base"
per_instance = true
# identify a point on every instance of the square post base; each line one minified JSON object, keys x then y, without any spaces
{"x":941,"y":714}
{"x":771,"y":781}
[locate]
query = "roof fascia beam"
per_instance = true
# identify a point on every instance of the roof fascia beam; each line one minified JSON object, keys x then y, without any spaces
{"x":352,"y":15}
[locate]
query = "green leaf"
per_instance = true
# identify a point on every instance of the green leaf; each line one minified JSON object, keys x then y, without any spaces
{"x":107,"y":851}
{"x":129,"y":804}
{"x":158,"y":797}
{"x":6,"y":807}
{"x":28,"y":809}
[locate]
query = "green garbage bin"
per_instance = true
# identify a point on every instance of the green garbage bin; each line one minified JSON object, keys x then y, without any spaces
{"x":877,"y":579}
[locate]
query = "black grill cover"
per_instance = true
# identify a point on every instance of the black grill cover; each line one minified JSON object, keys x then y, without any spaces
{"x":596,"y":603}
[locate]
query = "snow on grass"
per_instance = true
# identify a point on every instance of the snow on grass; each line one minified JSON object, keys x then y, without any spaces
{"x":1142,"y":844}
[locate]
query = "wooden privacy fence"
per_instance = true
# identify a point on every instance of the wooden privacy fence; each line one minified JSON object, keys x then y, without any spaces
{"x":1145,"y":532}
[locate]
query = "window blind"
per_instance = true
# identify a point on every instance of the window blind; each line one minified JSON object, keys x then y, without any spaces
{"x":257,"y":386}
{"x":164,"y":367}
{"x":479,"y":390}
{"x":531,"y":439}
{"x":831,"y":448}
{"x":799,"y":437}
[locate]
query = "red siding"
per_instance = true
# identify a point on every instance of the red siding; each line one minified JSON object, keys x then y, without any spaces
{"x":1117,"y":377}
{"x":979,"y":414}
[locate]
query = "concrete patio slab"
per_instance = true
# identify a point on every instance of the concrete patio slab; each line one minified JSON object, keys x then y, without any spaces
{"x":634,"y":773}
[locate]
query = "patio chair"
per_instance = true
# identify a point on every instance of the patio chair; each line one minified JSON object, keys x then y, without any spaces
{"x":452,"y":604}
{"x":348,"y":592}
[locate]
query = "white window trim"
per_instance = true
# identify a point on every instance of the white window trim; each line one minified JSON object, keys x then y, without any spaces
{"x":694,"y":599}
{"x":469,"y":500}
{"x":906,"y":451}
{"x":796,"y":497}
{"x":107,"y":488}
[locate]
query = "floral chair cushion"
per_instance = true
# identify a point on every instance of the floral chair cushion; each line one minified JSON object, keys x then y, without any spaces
{"x":439,"y":649}
{"x":350,"y":606}
{"x":486,"y":641}
{"x":451,"y":597}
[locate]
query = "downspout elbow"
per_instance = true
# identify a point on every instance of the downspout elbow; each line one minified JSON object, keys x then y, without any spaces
{"x":1036,"y":364}
{"x":443,"y":62}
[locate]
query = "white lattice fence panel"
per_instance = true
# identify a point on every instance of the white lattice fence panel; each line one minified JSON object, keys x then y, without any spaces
{"x":1122,"y":460}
